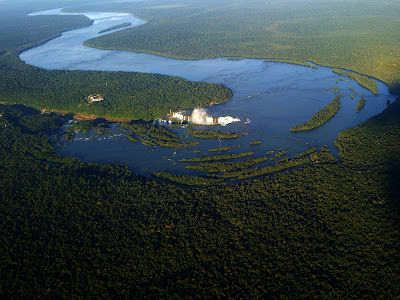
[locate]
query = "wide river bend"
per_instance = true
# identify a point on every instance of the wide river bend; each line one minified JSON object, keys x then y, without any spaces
{"x":269,"y":98}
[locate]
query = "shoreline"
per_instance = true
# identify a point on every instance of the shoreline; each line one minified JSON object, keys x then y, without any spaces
{"x":83,"y":116}
{"x":393,"y":89}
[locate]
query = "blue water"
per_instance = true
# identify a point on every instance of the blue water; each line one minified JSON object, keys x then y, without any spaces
{"x":273,"y":96}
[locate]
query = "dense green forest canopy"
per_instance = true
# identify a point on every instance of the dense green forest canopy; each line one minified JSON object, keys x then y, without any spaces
{"x":126,"y":95}
{"x":71,"y":229}
{"x":76,"y":230}
{"x":358,"y":35}
{"x":18,"y":29}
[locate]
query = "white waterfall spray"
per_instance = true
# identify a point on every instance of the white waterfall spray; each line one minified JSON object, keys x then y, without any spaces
{"x":200,"y":117}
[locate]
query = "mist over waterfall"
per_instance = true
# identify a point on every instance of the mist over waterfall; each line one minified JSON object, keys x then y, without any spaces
{"x":201,"y":117}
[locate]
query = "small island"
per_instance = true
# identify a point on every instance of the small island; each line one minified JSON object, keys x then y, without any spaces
{"x":291,"y":61}
{"x":116,"y":27}
{"x":320,"y":117}
{"x":363,"y":80}
{"x":361,"y":104}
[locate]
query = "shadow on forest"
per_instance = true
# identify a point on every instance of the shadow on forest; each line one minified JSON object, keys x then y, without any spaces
{"x":395,"y":89}
{"x":26,"y":110}
{"x":393,"y":184}
{"x":393,"y":163}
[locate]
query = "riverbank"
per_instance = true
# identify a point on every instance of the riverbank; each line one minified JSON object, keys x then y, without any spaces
{"x":84,"y":117}
{"x":326,"y":41}
{"x":275,"y":96}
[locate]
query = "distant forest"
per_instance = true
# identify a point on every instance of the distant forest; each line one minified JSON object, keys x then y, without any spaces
{"x":126,"y":95}
{"x":359,"y":36}
{"x":82,"y":230}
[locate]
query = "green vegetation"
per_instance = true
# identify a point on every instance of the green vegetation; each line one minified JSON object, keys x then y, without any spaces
{"x":211,"y":134}
{"x":19,"y":32}
{"x":84,"y":126}
{"x":189,"y":180}
{"x":322,"y":230}
{"x":332,"y":34}
{"x":291,"y":61}
{"x":254,"y":143}
{"x":219,"y":149}
{"x":281,"y":153}
{"x":217,"y":157}
{"x":241,"y":169}
{"x":227,"y":166}
{"x":320,"y":116}
{"x":361,"y":79}
{"x":278,"y":166}
{"x":360,"y":104}
{"x":322,"y":157}
{"x":335,"y":90}
{"x":257,"y":238}
{"x":153,"y":135}
{"x":131,"y":137}
{"x":126,"y":95}
{"x":235,"y":58}
{"x":116,"y":27}
{"x":309,"y":151}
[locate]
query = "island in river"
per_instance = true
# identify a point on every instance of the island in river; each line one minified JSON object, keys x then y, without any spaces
{"x":269,"y":98}
{"x":93,"y":230}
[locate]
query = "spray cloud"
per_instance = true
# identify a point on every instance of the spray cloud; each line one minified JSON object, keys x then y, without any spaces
{"x":200,"y":117}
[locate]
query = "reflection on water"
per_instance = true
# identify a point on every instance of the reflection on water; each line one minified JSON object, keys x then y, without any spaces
{"x":269,"y":98}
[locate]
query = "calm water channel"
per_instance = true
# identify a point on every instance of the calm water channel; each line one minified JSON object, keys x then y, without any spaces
{"x":269,"y":98}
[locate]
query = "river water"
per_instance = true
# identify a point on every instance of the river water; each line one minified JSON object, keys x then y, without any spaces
{"x":269,"y":98}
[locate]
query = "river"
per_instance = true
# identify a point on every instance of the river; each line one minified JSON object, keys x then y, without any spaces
{"x":269,"y":98}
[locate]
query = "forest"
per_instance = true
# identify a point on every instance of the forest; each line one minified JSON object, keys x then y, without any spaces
{"x":357,"y":36}
{"x":211,"y":134}
{"x":126,"y":95}
{"x":361,"y":79}
{"x":156,"y":135}
{"x":320,"y":117}
{"x":361,"y":104}
{"x":72,"y":229}
{"x":84,"y":230}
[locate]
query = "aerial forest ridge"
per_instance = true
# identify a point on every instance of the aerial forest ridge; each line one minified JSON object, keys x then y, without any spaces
{"x":245,"y":216}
